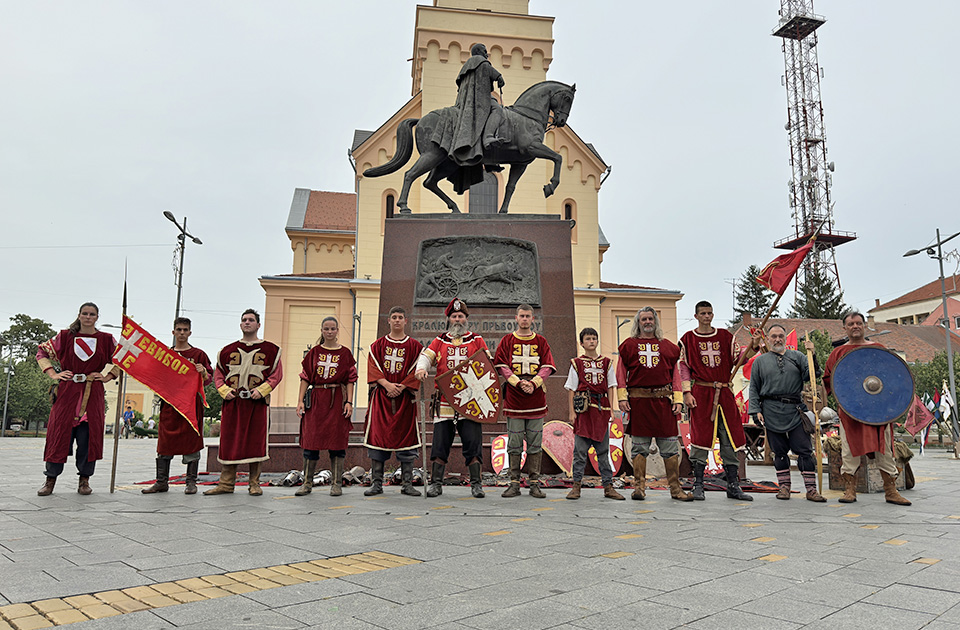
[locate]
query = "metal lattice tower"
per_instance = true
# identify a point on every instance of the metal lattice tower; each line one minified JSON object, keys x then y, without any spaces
{"x":811,"y":179}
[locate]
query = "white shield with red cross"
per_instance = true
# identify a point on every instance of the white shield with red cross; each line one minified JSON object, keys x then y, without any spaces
{"x":616,"y":446}
{"x":85,"y":347}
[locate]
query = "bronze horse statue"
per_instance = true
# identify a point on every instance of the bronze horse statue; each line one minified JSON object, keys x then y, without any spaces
{"x":528,"y":120}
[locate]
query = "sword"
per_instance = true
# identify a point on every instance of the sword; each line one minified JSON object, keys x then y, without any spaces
{"x":422,"y":412}
{"x":816,"y":424}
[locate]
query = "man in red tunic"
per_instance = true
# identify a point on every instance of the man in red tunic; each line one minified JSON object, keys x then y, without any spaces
{"x":85,"y":357}
{"x":392,"y":410}
{"x":707,"y":358}
{"x":857,"y":438}
{"x":649,"y":393}
{"x":176,"y":435}
{"x":326,"y":406}
{"x":524,"y":359}
{"x":448,"y":351}
{"x":247,"y":371}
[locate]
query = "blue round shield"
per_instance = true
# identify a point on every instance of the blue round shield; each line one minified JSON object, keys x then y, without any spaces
{"x":873,"y":385}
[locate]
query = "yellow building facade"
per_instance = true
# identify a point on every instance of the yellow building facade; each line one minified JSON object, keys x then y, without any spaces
{"x":337,"y":262}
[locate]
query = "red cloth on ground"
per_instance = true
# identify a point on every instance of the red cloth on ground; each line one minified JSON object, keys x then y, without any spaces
{"x":244,"y":421}
{"x":861,"y":438}
{"x":711,"y":358}
{"x":525,"y":357}
{"x":392,"y":422}
{"x":649,"y":363}
{"x":176,"y":435}
{"x":323,"y":426}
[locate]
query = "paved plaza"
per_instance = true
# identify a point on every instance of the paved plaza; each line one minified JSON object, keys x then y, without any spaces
{"x":396,"y":562}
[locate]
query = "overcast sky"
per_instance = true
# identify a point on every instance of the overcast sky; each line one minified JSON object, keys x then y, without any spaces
{"x":112,"y":112}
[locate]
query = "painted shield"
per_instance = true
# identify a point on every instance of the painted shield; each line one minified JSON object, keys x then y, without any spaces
{"x":558,"y":444}
{"x":873,"y":385}
{"x":473,"y":389}
{"x":616,"y":446}
{"x":84,"y":347}
{"x":498,"y":453}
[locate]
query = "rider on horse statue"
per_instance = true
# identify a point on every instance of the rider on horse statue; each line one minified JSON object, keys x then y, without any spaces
{"x":478,"y":113}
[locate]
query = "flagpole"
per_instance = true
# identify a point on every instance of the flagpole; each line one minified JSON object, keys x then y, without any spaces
{"x":816,"y":418}
{"x":121,"y":392}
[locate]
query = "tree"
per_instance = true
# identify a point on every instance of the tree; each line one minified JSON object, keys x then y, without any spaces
{"x":29,"y":397}
{"x":929,"y":377}
{"x":751,"y":296}
{"x":25,"y":334}
{"x":214,"y":401}
{"x":818,"y":297}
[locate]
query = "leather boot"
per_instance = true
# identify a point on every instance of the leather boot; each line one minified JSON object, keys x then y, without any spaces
{"x":534,"y":480}
{"x":733,"y":483}
{"x":816,"y":497}
{"x":513,"y":490}
{"x":162,"y":484}
{"x":436,"y":480}
{"x":574,"y":491}
{"x":336,"y":484}
{"x":672,"y":464}
{"x":849,"y":488}
{"x":253,"y":482}
{"x":890,"y":490}
{"x":698,"y":469}
{"x":193,"y":469}
{"x":476,"y":481}
{"x":783,"y":493}
{"x":228,"y":479}
{"x":309,"y":470}
{"x":47,"y":488}
{"x":610,"y":493}
{"x":640,"y":478}
{"x":376,"y":477}
{"x":406,"y":478}
{"x":83,"y":487}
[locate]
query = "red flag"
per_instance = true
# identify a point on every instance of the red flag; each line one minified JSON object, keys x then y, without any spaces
{"x":918,"y":417}
{"x":173,"y":378}
{"x":742,"y":406}
{"x":791,"y":342}
{"x":777,"y":275}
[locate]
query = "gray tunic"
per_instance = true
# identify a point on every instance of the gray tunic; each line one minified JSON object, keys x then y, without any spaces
{"x":776,"y":375}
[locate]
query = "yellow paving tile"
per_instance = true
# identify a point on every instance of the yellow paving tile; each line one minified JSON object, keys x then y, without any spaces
{"x":213,"y":592}
{"x":63,"y":617}
{"x":869,"y":527}
{"x":763,"y":539}
{"x":851,"y":515}
{"x":557,"y":500}
{"x":629,"y":536}
{"x":521,"y":520}
{"x":954,"y":516}
{"x":642,"y":511}
{"x":339,"y":507}
{"x":498,"y":533}
{"x":442,"y":507}
{"x":15,"y":611}
{"x":639,"y":522}
{"x":79,"y":601}
{"x":50,"y":605}
{"x":4,"y":625}
{"x":285,"y":569}
{"x":99,"y":611}
{"x":406,"y":518}
{"x":31,"y":622}
{"x":130,"y":605}
{"x":238,"y":589}
{"x":752,"y":525}
{"x":193,"y":584}
{"x":216,"y":580}
{"x":286,"y":580}
{"x":743,"y":504}
{"x":543,"y":509}
{"x":386,"y":564}
{"x":772,"y":558}
{"x":242,"y":576}
{"x":187,"y":596}
{"x":159,"y":601}
{"x":264,"y":573}
{"x":139,"y":592}
{"x":262,"y":585}
{"x":289,"y":496}
{"x":374,"y":498}
{"x":926,"y":561}
{"x":466,"y":499}
{"x":108,"y":597}
{"x":329,"y":573}
{"x":617,"y":554}
{"x":895,"y":541}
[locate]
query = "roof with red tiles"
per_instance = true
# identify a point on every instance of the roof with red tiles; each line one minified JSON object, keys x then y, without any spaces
{"x":322,"y":210}
{"x":616,"y":285}
{"x":928,"y":291}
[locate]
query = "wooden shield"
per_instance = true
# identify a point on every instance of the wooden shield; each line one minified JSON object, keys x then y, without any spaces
{"x":873,"y":385}
{"x":558,"y":441}
{"x":473,"y":389}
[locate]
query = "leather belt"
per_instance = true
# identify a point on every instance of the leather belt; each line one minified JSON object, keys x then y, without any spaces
{"x":713,"y":384}
{"x":663,"y":391}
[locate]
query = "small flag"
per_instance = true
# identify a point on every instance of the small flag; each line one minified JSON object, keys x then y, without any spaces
{"x":918,"y":417}
{"x":778,"y":273}
{"x":946,"y":403}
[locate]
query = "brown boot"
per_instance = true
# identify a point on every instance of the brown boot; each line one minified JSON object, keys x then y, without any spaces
{"x":336,"y":484}
{"x":534,"y":480}
{"x":253,"y":485}
{"x":193,"y":469}
{"x":784,"y":492}
{"x":610,"y":493}
{"x":228,"y":479}
{"x":574,"y":491}
{"x":47,"y":488}
{"x":309,"y":469}
{"x":163,"y":478}
{"x":890,"y":490}
{"x":816,"y":497}
{"x":84,"y":486}
{"x":640,"y":478}
{"x":672,"y":464}
{"x":513,"y":490}
{"x":849,"y":488}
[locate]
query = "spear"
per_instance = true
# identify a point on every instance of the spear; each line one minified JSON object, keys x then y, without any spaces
{"x":422,"y":409}
{"x":121,"y":391}
{"x":816,"y":420}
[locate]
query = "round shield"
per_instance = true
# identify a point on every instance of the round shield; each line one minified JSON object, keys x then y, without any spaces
{"x":873,"y":385}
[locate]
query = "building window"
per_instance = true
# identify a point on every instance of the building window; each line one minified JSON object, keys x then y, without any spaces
{"x":956,"y":322}
{"x":389,"y":206}
{"x":484,"y":196}
{"x":568,"y":211}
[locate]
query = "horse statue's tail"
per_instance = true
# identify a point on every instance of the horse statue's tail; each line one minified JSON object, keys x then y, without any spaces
{"x":404,"y":150}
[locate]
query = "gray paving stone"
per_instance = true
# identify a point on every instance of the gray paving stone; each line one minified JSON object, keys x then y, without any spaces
{"x":777,"y":606}
{"x":143,"y":620}
{"x":741,"y":621}
{"x":208,"y":610}
{"x":916,"y":598}
{"x":263,"y":620}
{"x":860,"y":615}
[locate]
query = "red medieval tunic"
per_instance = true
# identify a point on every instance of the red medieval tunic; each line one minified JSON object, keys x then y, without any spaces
{"x":861,"y":438}
{"x":323,"y":426}
{"x":594,"y":423}
{"x":244,"y":422}
{"x":392,"y":422}
{"x":449,"y":352}
{"x":650,"y":364}
{"x":76,"y":402}
{"x":525,"y":358}
{"x":710,"y":359}
{"x":176,"y":435}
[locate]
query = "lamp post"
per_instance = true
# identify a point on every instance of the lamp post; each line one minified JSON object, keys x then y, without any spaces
{"x":7,"y":369}
{"x":938,"y":254}
{"x":181,"y":245}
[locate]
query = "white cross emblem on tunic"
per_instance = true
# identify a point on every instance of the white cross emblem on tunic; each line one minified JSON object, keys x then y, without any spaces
{"x":126,"y":346}
{"x":476,"y":391}
{"x":526,"y":359}
{"x":710,"y":354}
{"x":393,"y":358}
{"x":455,"y":356}
{"x":649,"y":354}
{"x":327,"y":365}
{"x":593,"y":370}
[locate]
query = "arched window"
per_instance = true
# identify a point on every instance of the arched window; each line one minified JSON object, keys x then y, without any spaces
{"x":389,"y":213}
{"x":484,"y":196}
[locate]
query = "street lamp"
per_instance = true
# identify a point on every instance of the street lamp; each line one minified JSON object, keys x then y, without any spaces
{"x":181,"y":245}
{"x":7,"y":369}
{"x":938,"y":254}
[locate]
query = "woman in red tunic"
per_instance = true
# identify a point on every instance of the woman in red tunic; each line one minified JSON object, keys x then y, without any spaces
{"x":84,"y":354}
{"x":326,"y":382}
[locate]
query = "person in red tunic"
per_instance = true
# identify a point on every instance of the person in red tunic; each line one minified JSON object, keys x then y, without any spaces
{"x":857,"y":438}
{"x":392,"y":411}
{"x":247,"y":371}
{"x":593,"y":380}
{"x":649,"y":394}
{"x":85,"y":357}
{"x":524,"y":359}
{"x":326,"y":406}
{"x":448,"y":351}
{"x":707,"y":359}
{"x":176,"y":435}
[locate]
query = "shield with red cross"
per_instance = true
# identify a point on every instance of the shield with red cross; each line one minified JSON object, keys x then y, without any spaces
{"x":85,"y":347}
